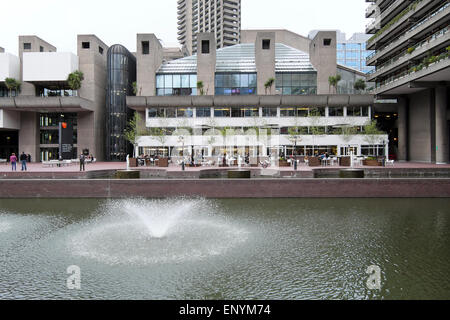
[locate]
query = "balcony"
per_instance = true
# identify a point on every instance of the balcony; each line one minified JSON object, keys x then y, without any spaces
{"x":48,"y":66}
{"x":439,"y":38}
{"x":406,"y":16}
{"x":441,"y":15}
{"x":9,"y":66}
{"x":46,"y":104}
{"x":399,"y":84}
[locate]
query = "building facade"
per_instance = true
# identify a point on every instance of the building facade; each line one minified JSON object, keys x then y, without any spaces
{"x":235,"y":112}
{"x":30,"y":116}
{"x":221,"y":17}
{"x":351,"y":52}
{"x":411,"y":43}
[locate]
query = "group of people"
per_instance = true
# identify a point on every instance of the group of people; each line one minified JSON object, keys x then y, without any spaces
{"x":23,"y":158}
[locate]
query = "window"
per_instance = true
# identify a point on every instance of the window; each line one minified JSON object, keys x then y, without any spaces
{"x":222,"y":112}
{"x":27,"y":46}
{"x":336,"y":111}
{"x":303,"y":111}
{"x":296,"y":83}
{"x":85,"y":45}
{"x":205,"y":46}
{"x":203,"y":112}
{"x":176,"y":84}
{"x":145,"y":47}
{"x":326,"y":42}
{"x":41,"y":49}
{"x":266,"y":44}
{"x":287,"y":112}
{"x":235,"y":84}
{"x":100,"y":50}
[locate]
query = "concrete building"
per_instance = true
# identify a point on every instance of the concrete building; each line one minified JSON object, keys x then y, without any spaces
{"x":235,"y":99}
{"x":29,"y":118}
{"x":411,"y":43}
{"x":221,"y":17}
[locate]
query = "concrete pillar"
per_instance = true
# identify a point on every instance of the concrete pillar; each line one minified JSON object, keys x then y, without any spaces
{"x":29,"y":135}
{"x":206,"y":62}
{"x":265,"y":60}
{"x":442,"y":148}
{"x":402,"y":123}
{"x":149,"y":57}
{"x":323,"y":56}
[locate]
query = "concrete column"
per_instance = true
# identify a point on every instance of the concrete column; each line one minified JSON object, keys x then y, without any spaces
{"x":29,"y":135}
{"x":402,"y":123}
{"x":442,"y":150}
{"x":265,"y":60}
{"x":206,"y":62}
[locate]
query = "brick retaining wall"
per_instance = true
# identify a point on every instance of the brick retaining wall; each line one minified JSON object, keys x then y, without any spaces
{"x":209,"y":188}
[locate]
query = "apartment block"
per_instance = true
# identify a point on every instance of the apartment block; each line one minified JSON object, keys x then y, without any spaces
{"x":411,"y":43}
{"x":220,"y":17}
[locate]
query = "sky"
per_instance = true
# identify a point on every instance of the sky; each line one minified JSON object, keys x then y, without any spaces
{"x":117,"y":21}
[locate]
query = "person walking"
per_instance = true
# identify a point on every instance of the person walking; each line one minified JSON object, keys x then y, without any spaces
{"x":23,"y":160}
{"x":13,"y":160}
{"x":82,"y":162}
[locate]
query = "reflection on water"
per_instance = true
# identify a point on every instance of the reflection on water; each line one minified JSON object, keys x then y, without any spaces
{"x":225,"y":249}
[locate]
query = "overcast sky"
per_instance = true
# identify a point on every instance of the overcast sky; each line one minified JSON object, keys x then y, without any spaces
{"x":118,"y":21}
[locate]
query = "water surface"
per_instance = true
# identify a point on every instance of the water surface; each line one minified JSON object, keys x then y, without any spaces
{"x":225,"y":249}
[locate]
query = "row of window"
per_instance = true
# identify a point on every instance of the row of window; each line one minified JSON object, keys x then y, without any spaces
{"x":226,"y":112}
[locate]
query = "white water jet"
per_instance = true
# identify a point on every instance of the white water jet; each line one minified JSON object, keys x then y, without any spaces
{"x":139,"y":231}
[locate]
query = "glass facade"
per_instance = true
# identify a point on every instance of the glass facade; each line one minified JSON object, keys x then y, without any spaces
{"x":354,"y":55}
{"x":296,"y":83}
{"x":4,"y":92}
{"x":347,"y":83}
{"x":55,"y":91}
{"x":230,"y":84}
{"x":121,"y":65}
{"x":176,"y":84}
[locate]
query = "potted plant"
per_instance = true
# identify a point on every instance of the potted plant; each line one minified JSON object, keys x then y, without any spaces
{"x":12,"y":84}
{"x":269,"y":84}
{"x":74,"y":80}
{"x":333,"y":81}
{"x":371,"y":162}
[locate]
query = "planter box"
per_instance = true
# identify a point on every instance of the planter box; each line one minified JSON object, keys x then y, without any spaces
{"x":284,"y":163}
{"x":163,"y":162}
{"x":372,"y":163}
{"x":344,"y":162}
{"x":133,"y":162}
{"x":314,"y":162}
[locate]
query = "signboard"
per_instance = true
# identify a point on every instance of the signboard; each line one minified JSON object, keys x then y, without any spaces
{"x":66,"y":140}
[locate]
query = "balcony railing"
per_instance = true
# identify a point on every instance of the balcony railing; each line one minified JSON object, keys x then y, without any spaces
{"x":411,"y":49}
{"x":432,"y":61}
{"x":406,"y":35}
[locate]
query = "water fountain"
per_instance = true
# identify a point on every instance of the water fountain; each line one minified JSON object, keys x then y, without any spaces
{"x":128,"y":173}
{"x":142,"y":231}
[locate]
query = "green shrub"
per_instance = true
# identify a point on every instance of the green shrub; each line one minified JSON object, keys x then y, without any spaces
{"x":411,"y":50}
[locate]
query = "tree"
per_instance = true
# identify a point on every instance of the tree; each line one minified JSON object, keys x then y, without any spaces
{"x":12,"y":84}
{"x":315,"y":127}
{"x":200,"y":88}
{"x":372,"y":134}
{"x":295,"y":136}
{"x":135,"y":129}
{"x":269,"y":84}
{"x":75,"y":79}
{"x":360,"y":85}
{"x":333,"y":81}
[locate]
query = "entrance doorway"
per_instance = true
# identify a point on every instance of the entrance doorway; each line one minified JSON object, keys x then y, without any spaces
{"x":9,"y":143}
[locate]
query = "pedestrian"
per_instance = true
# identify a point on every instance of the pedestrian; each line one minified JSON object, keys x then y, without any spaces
{"x":82,"y":162}
{"x":23,"y":160}
{"x":13,"y":160}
